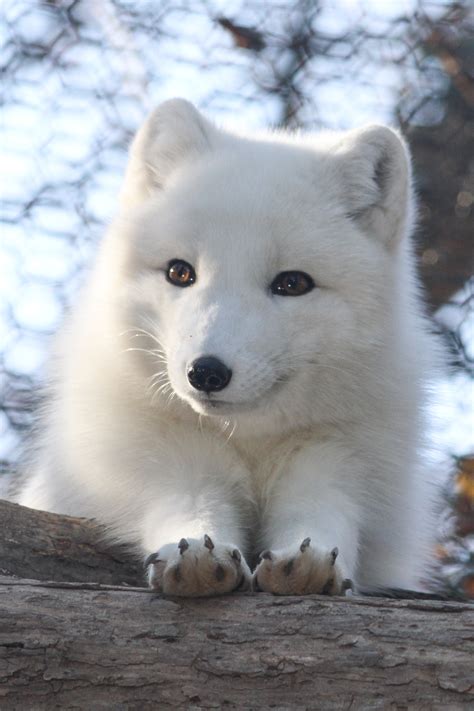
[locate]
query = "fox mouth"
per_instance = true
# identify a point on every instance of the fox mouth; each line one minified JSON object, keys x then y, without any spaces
{"x":212,"y":405}
{"x":208,"y":406}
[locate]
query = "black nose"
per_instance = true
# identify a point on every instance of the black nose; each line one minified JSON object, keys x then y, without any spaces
{"x":209,"y":374}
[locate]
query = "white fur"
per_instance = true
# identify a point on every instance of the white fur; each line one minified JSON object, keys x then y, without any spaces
{"x":319,"y":432}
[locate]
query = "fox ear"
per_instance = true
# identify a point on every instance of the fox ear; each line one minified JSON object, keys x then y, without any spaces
{"x":376,"y":181}
{"x":173,"y":133}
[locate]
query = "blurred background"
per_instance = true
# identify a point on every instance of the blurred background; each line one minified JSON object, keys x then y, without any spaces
{"x":78,"y":78}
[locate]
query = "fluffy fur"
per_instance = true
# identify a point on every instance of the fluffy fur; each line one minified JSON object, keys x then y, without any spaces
{"x":318,"y":434}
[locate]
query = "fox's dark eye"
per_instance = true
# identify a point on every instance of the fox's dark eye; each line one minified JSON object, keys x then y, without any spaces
{"x":180,"y":273}
{"x":292,"y":284}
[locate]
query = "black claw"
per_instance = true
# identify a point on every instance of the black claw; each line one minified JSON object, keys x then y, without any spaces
{"x":153,"y":558}
{"x":183,"y":545}
{"x":347,"y":584}
{"x":266,"y":555}
{"x":288,"y":567}
{"x":208,"y":542}
{"x":305,"y":544}
{"x":236,"y":555}
{"x":220,"y":573}
{"x":334,"y":553}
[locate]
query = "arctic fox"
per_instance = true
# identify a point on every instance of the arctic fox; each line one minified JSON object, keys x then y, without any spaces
{"x":245,"y":372}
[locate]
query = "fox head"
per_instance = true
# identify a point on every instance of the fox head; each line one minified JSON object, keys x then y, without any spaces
{"x":261,"y":273}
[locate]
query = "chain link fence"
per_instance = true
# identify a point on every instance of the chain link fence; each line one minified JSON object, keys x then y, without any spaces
{"x":78,"y":77}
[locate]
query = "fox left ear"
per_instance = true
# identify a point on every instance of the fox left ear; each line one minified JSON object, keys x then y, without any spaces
{"x":174,"y":133}
{"x":376,"y":181}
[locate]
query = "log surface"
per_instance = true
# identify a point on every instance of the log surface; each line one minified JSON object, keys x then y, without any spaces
{"x":45,"y":546}
{"x":65,"y":645}
{"x":69,"y":640}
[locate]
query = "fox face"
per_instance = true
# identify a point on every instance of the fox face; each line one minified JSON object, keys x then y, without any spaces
{"x":259,"y":272}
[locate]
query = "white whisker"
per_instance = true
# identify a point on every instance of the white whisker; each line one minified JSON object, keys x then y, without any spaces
{"x":234,"y":426}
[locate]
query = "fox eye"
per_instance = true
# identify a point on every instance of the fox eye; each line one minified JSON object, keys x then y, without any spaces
{"x":180,"y":273}
{"x":292,"y":284}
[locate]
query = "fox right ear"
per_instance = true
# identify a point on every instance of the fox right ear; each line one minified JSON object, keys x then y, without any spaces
{"x":374,"y":171}
{"x":173,"y":133}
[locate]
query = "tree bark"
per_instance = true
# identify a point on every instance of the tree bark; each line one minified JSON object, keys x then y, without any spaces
{"x":86,"y":645}
{"x":45,"y":546}
{"x":64,"y":645}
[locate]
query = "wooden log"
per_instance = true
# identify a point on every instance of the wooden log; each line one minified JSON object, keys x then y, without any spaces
{"x":45,"y":546}
{"x":68,"y":641}
{"x":67,"y":645}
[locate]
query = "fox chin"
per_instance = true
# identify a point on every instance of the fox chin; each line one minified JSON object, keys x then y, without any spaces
{"x":239,"y":393}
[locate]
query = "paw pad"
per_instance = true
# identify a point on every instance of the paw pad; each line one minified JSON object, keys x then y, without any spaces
{"x":196,"y":568}
{"x":309,"y":570}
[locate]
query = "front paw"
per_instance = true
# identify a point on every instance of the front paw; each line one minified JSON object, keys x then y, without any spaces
{"x":301,"y":572}
{"x":198,"y":568}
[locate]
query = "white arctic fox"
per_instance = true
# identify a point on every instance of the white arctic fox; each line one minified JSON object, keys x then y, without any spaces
{"x":245,"y":370}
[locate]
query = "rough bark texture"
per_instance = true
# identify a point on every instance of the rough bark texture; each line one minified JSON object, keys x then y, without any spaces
{"x":45,"y":546}
{"x":66,"y":645}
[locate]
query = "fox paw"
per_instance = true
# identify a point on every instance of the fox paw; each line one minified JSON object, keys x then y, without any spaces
{"x":308,"y":570}
{"x":198,"y":568}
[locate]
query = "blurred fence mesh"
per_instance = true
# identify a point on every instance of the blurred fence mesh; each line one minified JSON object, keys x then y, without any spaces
{"x":79,"y":75}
